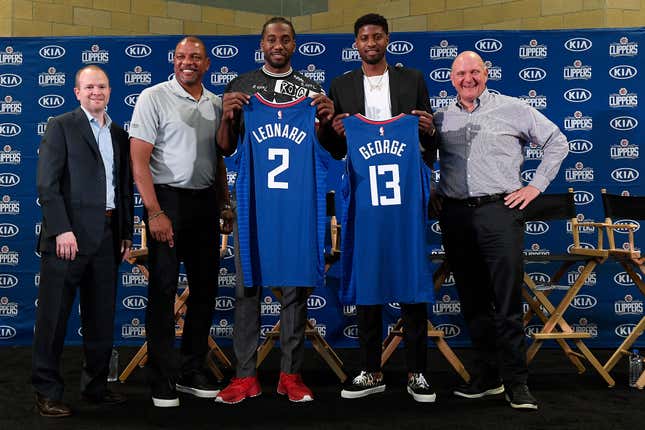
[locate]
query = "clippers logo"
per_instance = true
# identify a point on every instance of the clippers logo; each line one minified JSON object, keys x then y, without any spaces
{"x":623,"y":99}
{"x":532,"y":74}
{"x":137,"y":76}
{"x":578,"y":122}
{"x":449,"y":330}
{"x":629,"y":306}
{"x":134,"y":278}
{"x":577,"y":71}
{"x":224,"y":329}
{"x":95,"y":55}
{"x":223,"y":77}
{"x":9,"y":207}
{"x":530,"y":330}
{"x":577,"y":95}
{"x":580,"y":146}
{"x":624,"y":330}
{"x":533,"y":50}
{"x":624,"y":280}
{"x":623,"y":123}
{"x":7,"y":332}
{"x":9,"y":129}
{"x":315,"y":74}
{"x":8,"y":257}
{"x":311,"y":49}
{"x":400,"y":47}
{"x":533,"y":99}
{"x":624,"y":48}
{"x":349,"y":310}
{"x":585,"y":229}
{"x":585,"y":326}
{"x":224,"y":51}
{"x":224,"y":303}
{"x":436,"y":228}
{"x":527,"y":175}
{"x":9,"y":106}
{"x":350,"y":54}
{"x":10,"y":57}
{"x":351,"y":331}
{"x":579,"y":173}
{"x":269,"y":306}
{"x":494,"y":72}
{"x":138,"y":50}
{"x":52,"y":52}
{"x":584,"y":301}
{"x":8,"y":280}
{"x":623,"y":71}
{"x":51,"y":78}
{"x":440,"y":75}
{"x":578,"y":44}
{"x":8,"y":229}
{"x":51,"y":101}
{"x":10,"y":80}
{"x":320,"y":328}
{"x":536,"y":227}
{"x":131,"y":100}
{"x":133,"y":330}
{"x":624,"y":174}
{"x":442,"y":100}
{"x":41,"y":127}
{"x":445,"y":51}
{"x":226,"y":279}
{"x":582,"y":197}
{"x":488,"y":45}
{"x":447,"y":306}
{"x":135,"y":302}
{"x":624,"y":150}
{"x":9,"y":179}
{"x":7,"y":308}
{"x":626,"y":221}
{"x":315,"y":302}
{"x":535,"y":249}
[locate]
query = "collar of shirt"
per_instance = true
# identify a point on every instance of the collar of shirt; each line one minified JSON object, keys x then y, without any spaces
{"x":91,"y":119}
{"x":484,"y":98}
{"x":181,"y":92}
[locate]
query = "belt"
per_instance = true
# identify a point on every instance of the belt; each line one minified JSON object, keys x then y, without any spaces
{"x":475,"y":202}
{"x":186,"y":191}
{"x":109,"y":212}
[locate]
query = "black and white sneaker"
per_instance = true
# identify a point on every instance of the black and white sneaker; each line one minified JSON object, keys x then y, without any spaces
{"x":365,"y":384}
{"x":479,"y":388}
{"x":197,"y":384}
{"x":519,"y":397}
{"x":419,"y":388}
{"x":164,"y":394}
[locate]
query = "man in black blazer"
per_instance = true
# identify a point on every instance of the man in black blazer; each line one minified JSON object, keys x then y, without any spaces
{"x":380,"y":92}
{"x":85,"y":190}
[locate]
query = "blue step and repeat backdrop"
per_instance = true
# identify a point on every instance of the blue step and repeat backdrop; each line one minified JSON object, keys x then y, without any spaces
{"x":587,"y":81}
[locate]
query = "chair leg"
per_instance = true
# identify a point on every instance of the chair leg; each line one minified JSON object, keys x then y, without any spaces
{"x":139,"y":359}
{"x":326,"y":352}
{"x":595,"y":363}
{"x":264,"y":349}
{"x":623,"y":349}
{"x":448,"y":353}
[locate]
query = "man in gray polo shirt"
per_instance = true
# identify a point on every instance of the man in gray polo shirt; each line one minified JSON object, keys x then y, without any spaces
{"x":176,"y":170}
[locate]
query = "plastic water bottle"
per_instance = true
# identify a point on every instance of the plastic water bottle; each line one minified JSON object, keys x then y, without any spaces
{"x":113,"y":373}
{"x":635,"y":367}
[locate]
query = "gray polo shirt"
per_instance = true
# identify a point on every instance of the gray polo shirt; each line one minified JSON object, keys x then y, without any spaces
{"x":481,"y":152}
{"x":182,"y":131}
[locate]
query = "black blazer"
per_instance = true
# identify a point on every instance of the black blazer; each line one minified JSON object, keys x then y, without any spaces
{"x":408,"y":91}
{"x":71,"y":183}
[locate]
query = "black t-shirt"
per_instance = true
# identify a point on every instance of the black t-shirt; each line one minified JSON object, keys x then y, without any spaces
{"x":275,"y":89}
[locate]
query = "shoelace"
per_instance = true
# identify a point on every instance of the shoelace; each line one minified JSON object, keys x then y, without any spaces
{"x":418,"y":380}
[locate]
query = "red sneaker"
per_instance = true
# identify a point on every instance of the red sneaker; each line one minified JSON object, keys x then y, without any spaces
{"x":291,"y":384}
{"x":239,"y":389}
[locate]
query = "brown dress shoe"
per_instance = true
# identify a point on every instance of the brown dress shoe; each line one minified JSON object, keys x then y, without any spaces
{"x":108,"y":397}
{"x":52,"y":408}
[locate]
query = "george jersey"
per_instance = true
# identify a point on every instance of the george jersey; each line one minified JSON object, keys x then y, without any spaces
{"x":280,"y":191}
{"x":386,"y":189}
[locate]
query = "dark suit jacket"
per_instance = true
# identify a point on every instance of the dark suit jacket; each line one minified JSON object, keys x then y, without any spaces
{"x":71,"y":183}
{"x":408,"y":91}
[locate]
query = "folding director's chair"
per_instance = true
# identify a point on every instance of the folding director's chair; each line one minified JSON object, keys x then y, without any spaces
{"x":561,"y":207}
{"x":139,"y":257}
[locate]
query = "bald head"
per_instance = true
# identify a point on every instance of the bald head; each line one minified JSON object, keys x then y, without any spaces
{"x":469,"y":75}
{"x":470,"y":56}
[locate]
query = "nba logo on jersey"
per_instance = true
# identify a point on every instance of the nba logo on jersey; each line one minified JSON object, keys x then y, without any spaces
{"x":381,"y":131}
{"x":279,"y":114}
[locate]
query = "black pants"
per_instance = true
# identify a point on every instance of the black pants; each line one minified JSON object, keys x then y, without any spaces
{"x":484,"y":246}
{"x":95,"y":277}
{"x":415,"y":336}
{"x":195,"y":222}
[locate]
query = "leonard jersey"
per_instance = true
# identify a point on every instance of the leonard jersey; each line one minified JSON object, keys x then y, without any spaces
{"x":281,"y":195}
{"x":387,"y":189}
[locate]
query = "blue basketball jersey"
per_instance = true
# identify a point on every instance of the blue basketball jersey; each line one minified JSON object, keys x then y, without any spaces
{"x":281,"y":195}
{"x":386,"y":189}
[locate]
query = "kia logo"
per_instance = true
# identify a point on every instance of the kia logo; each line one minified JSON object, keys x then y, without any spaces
{"x":7,"y":332}
{"x":621,"y":278}
{"x":9,"y":80}
{"x":624,"y":221}
{"x":400,"y":47}
{"x":582,"y":197}
{"x":311,"y":49}
{"x":351,"y":331}
{"x":9,"y":179}
{"x":449,"y":330}
{"x":583,"y":245}
{"x":623,"y":71}
{"x":135,"y":302}
{"x":532,"y":74}
{"x":315,"y":302}
{"x":224,"y":303}
{"x":8,"y":280}
{"x":580,"y":146}
{"x":527,"y":175}
{"x":51,"y":52}
{"x":435,"y":227}
{"x":131,"y":99}
{"x":51,"y":101}
{"x":488,"y":45}
{"x":624,"y":330}
{"x":578,"y":44}
{"x":440,"y":75}
{"x":138,"y":50}
{"x":9,"y":129}
{"x":623,"y":123}
{"x":577,"y":95}
{"x":584,"y":301}
{"x":622,"y":174}
{"x":224,"y":51}
{"x":8,"y":229}
{"x":536,"y":227}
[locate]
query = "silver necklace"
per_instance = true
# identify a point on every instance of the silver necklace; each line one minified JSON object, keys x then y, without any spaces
{"x":377,"y":85}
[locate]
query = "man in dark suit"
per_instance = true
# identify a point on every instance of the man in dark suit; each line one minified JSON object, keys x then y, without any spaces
{"x":380,"y":92}
{"x":85,"y":190}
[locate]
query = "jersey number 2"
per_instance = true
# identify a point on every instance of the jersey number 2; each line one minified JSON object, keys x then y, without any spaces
{"x":395,"y":195}
{"x":283,"y":153}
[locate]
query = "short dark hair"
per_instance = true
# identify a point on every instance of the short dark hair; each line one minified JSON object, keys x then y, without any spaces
{"x":371,"y":19}
{"x":278,"y":20}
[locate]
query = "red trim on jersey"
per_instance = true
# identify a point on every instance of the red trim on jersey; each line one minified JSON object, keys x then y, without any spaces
{"x":373,"y":121}
{"x":278,"y":105}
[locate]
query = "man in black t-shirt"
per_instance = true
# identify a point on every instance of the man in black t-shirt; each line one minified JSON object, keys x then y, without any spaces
{"x":275,"y":81}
